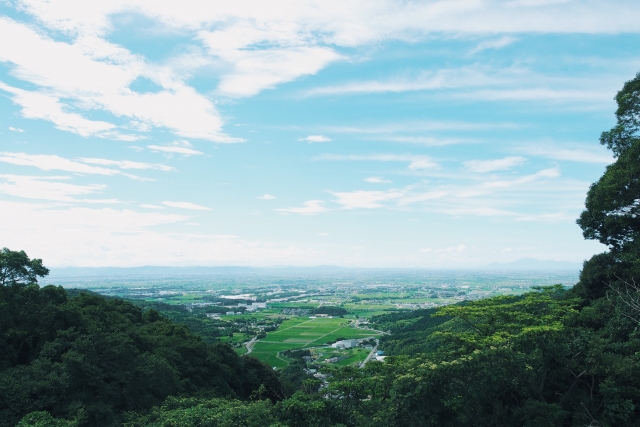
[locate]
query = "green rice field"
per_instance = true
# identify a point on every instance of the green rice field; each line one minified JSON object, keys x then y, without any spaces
{"x":303,"y":332}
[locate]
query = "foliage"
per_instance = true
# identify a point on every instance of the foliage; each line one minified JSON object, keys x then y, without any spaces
{"x":16,"y":267}
{"x":194,"y":412}
{"x":625,"y":132}
{"x":612,"y":214}
{"x":91,"y":359}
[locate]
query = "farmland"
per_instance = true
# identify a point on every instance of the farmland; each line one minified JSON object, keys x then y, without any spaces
{"x":302,"y":332}
{"x":278,"y":307}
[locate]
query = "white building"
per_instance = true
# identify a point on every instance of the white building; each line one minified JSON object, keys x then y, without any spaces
{"x":345,"y":344}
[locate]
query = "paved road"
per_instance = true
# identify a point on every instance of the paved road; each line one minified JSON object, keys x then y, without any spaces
{"x":373,"y":352}
{"x":250,"y":344}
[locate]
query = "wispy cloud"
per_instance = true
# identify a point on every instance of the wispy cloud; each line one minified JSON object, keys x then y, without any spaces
{"x":89,"y":74}
{"x":590,"y":94}
{"x":423,"y":197}
{"x":416,"y":162}
{"x":186,"y":205}
{"x":428,"y":141}
{"x":483,"y":166}
{"x":37,"y":105}
{"x":417,"y":126}
{"x":376,"y":180}
{"x":127,"y":164}
{"x":310,"y":207}
{"x":50,"y":188}
{"x":496,"y":184}
{"x":250,"y":48}
{"x":315,"y":138}
{"x":83,"y":166}
{"x":177,"y":147}
{"x":493,"y":44}
{"x":53,"y":162}
{"x":11,"y":128}
{"x":422,"y":80}
{"x":365,"y":199}
{"x":266,"y":197}
{"x":571,"y":152}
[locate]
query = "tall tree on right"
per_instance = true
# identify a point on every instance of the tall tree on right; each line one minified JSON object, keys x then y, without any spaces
{"x":612,"y":214}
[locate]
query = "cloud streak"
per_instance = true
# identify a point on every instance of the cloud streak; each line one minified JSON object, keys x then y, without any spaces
{"x":186,"y":205}
{"x":484,"y":166}
{"x":48,"y":162}
{"x":310,"y":207}
{"x":416,"y":162}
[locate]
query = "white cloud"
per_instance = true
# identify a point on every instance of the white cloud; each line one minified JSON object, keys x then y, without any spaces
{"x":365,"y":199}
{"x":127,"y":164}
{"x":423,"y":80}
{"x":494,"y":44}
{"x":575,"y":153}
{"x":177,"y":147}
{"x":186,"y":205}
{"x":266,"y":197}
{"x":323,"y":234}
{"x":310,"y":207}
{"x":147,"y":206}
{"x":253,"y":71}
{"x":11,"y":128}
{"x":423,"y":197}
{"x":428,"y":141}
{"x":49,"y":188}
{"x":494,"y":185}
{"x":52,"y":162}
{"x":483,"y":166}
{"x":585,"y":94}
{"x":415,"y":162}
{"x":417,"y":126}
{"x":92,"y":74}
{"x":37,"y":105}
{"x":248,"y":47}
{"x":376,"y":180}
{"x":315,"y":138}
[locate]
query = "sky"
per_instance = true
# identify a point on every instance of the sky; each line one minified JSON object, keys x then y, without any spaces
{"x":365,"y":133}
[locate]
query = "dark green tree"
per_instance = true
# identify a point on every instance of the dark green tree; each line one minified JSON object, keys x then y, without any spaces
{"x":612,"y":207}
{"x":625,"y":132}
{"x":16,"y":267}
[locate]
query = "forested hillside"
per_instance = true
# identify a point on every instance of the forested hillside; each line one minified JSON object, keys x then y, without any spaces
{"x":550,"y":357}
{"x":93,"y":359}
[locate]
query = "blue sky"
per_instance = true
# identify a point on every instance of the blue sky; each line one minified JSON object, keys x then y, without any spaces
{"x":433,"y":134}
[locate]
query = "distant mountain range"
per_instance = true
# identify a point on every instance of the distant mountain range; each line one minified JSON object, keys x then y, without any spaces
{"x":68,"y":272}
{"x":534,"y":264}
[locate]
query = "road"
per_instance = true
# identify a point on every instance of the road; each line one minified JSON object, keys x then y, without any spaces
{"x":250,"y":344}
{"x":373,"y":352}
